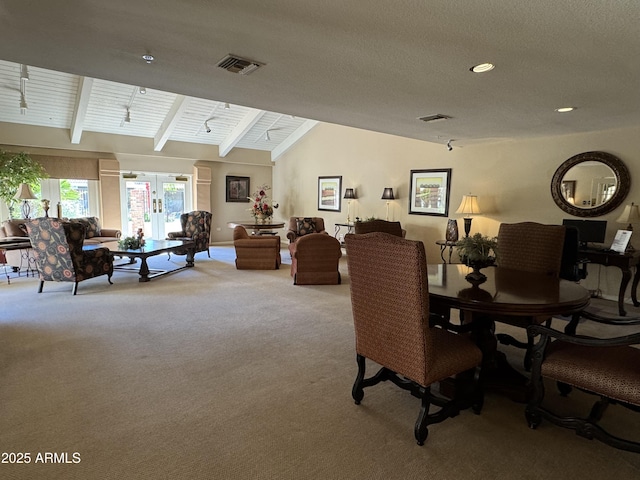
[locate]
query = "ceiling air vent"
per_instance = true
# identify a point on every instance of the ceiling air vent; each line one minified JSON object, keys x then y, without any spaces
{"x":235,"y":64}
{"x":434,"y":118}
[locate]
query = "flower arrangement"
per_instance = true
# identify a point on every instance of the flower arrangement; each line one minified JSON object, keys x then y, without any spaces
{"x":129,"y":243}
{"x":262,"y":207}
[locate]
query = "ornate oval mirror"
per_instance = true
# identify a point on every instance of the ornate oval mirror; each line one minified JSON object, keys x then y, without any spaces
{"x":590,"y":184}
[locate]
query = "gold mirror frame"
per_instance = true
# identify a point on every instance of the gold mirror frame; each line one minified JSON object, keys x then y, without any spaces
{"x":623,"y":184}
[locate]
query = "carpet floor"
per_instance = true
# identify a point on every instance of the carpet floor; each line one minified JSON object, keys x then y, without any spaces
{"x":216,"y":373}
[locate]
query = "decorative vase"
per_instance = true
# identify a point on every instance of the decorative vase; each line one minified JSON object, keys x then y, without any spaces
{"x":451,"y":234}
{"x":476,"y":277}
{"x":261,"y":218}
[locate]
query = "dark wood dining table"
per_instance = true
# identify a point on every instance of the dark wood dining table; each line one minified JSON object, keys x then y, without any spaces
{"x":504,"y":293}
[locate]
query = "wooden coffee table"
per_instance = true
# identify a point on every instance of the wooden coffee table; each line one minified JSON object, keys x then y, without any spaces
{"x":150,"y":249}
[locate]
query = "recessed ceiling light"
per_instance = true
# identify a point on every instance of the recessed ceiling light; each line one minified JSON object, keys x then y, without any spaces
{"x":565,"y":109}
{"x":147,"y":57}
{"x":482,"y":67}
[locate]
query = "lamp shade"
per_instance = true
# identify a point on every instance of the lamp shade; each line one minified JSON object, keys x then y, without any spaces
{"x":469,"y":205}
{"x":630,"y":214}
{"x":24,"y":192}
{"x":388,"y":194}
{"x":349,"y":193}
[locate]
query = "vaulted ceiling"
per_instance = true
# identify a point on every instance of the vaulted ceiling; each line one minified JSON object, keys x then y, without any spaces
{"x":79,"y":104}
{"x":376,"y":65}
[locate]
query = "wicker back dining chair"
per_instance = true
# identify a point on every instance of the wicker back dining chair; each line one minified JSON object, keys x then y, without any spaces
{"x":534,"y":248}
{"x":390,"y":303}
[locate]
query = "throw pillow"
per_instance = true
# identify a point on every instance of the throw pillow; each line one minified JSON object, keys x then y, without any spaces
{"x":92,"y":224}
{"x":305,"y":226}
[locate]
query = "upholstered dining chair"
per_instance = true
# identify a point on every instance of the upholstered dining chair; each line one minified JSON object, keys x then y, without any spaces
{"x":301,"y":226}
{"x":529,"y":247}
{"x":377,"y":225}
{"x":57,"y":247}
{"x":256,"y":252}
{"x":394,"y":329}
{"x":605,"y":367}
{"x":196,"y":226}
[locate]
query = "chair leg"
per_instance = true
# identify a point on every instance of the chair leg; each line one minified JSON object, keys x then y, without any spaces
{"x":75,"y":288}
{"x":420,"y":430}
{"x":357,"y":392}
{"x":41,"y":285}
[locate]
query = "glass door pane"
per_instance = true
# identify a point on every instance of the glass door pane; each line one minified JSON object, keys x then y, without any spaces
{"x":173,"y":205}
{"x":154,"y":203}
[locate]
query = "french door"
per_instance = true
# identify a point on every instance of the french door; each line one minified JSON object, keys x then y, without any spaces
{"x":154,"y":203}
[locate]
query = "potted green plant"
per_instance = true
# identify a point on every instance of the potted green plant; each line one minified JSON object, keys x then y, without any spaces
{"x":17,"y":168}
{"x":477,"y":251}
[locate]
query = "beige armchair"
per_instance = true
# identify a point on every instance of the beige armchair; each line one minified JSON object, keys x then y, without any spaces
{"x":256,"y":252}
{"x":315,"y":260}
{"x":300,"y":226}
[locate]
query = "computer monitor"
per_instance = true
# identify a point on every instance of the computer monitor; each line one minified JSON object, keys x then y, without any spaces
{"x":589,"y":231}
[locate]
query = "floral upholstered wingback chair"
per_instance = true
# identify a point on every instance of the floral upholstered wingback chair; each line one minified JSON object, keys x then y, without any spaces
{"x":57,"y":247}
{"x":196,"y":226}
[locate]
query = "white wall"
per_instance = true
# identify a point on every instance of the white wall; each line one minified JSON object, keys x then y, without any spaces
{"x":512,"y":180}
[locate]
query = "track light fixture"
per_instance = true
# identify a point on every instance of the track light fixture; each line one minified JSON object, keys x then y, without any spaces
{"x":206,"y":127}
{"x":23,"y":104}
{"x":449,"y":147}
{"x":24,"y":77}
{"x":226,"y":106}
{"x":127,"y":117}
{"x":24,"y":72}
{"x":143,"y":90}
{"x":266,"y":136}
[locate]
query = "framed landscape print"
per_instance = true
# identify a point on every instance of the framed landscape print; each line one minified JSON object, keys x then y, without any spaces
{"x":329,"y":189}
{"x":237,"y":189}
{"x":430,"y":192}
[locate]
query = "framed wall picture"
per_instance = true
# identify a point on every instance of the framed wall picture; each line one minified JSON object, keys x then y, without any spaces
{"x":237,"y":189}
{"x":430,"y":192}
{"x":329,"y":189}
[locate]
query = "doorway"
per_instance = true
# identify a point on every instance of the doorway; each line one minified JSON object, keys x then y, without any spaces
{"x":154,"y":203}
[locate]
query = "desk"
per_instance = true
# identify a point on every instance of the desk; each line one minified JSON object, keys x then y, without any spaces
{"x":624,"y":262}
{"x":443,"y":246}
{"x":505,"y":292}
{"x":257,"y":228}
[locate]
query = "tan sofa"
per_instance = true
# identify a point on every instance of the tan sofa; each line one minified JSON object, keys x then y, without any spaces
{"x":14,"y":229}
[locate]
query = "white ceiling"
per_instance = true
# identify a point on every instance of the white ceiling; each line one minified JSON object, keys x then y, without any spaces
{"x":377,"y":65}
{"x":67,"y":101}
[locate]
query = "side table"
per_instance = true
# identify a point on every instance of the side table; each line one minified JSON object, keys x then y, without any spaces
{"x":337,"y":234}
{"x":443,"y":246}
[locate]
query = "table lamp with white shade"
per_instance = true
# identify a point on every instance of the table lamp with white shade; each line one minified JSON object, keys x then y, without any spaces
{"x":468,"y":206}
{"x":25,"y":194}
{"x":630,"y":215}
